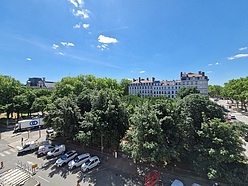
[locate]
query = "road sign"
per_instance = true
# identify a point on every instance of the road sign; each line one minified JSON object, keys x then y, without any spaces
{"x":34,"y":166}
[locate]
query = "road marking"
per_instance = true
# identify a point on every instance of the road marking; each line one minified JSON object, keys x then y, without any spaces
{"x":6,"y":152}
{"x":1,"y":154}
{"x":43,"y":179}
{"x":30,"y":162}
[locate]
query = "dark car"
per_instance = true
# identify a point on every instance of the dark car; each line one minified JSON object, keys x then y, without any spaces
{"x":246,"y":137}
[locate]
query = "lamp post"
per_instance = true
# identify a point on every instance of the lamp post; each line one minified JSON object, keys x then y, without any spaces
{"x":101,"y":144}
{"x":39,"y":125}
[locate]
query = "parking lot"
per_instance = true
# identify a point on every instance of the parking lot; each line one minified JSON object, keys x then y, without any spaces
{"x":111,"y":171}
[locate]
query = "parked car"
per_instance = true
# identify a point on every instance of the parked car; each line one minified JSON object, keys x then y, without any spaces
{"x":49,"y":130}
{"x":177,"y":183}
{"x":195,"y":184}
{"x":44,"y":149}
{"x":233,"y":117}
{"x":29,"y":146}
{"x":66,"y":158}
{"x":79,"y":160}
{"x":90,"y":163}
{"x":246,"y":137}
{"x":58,"y":150}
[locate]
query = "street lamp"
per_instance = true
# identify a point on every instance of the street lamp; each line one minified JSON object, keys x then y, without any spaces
{"x":39,"y":125}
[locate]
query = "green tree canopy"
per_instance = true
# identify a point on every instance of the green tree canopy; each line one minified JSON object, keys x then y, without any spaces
{"x":219,"y":149}
{"x":184,"y":91}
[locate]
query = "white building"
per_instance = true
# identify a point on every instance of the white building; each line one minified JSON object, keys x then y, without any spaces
{"x":152,"y":87}
{"x":36,"y":82}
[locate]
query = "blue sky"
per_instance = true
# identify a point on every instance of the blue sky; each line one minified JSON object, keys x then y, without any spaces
{"x":124,"y":38}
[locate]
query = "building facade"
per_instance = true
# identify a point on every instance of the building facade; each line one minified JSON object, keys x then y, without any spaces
{"x":155,"y":88}
{"x":36,"y":82}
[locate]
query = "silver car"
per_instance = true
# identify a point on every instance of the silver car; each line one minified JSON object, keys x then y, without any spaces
{"x":79,"y":160}
{"x":90,"y":163}
{"x":66,"y":158}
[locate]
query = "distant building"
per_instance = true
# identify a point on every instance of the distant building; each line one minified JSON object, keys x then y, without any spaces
{"x":36,"y":82}
{"x":155,"y":88}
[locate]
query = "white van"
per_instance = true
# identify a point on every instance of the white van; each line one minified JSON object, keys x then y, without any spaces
{"x":44,"y":149}
{"x":58,"y":150}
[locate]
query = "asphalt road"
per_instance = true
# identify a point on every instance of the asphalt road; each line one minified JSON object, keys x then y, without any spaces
{"x":239,"y":117}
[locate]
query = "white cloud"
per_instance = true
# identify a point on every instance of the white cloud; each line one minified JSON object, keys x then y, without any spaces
{"x":217,"y":63}
{"x":208,"y":72}
{"x":81,"y":13}
{"x":77,"y":25}
{"x":70,"y":44}
{"x":60,"y":53}
{"x":67,"y":44}
{"x":142,"y":72}
{"x":29,"y":59}
{"x":74,"y":3}
{"x":80,"y":3}
{"x":237,"y":56}
{"x":55,"y":46}
{"x":210,"y":64}
{"x":86,"y":25}
{"x":104,"y":39}
{"x":243,"y":48}
{"x":103,"y":46}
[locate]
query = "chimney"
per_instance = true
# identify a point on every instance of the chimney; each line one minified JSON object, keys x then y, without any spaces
{"x":147,"y":79}
{"x":153,"y":79}
{"x":199,"y":72}
{"x":203,"y":73}
{"x":139,"y":79}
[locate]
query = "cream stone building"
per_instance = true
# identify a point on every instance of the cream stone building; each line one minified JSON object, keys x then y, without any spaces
{"x":155,"y":88}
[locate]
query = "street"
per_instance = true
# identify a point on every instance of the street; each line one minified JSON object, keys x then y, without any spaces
{"x":239,"y":117}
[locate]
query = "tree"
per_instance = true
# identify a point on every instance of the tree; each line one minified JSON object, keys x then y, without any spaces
{"x":106,"y":122}
{"x":9,"y":88}
{"x":194,"y":105}
{"x":20,"y":104}
{"x":218,"y":150}
{"x":29,"y":93}
{"x":171,"y":135}
{"x":64,"y":116}
{"x":215,"y":91}
{"x":40,"y":104}
{"x":184,"y":91}
{"x":124,"y":86}
{"x":68,"y":86}
{"x":189,"y":115}
{"x":237,"y":89}
{"x":144,"y":138}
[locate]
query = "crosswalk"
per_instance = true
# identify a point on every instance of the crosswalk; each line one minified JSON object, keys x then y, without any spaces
{"x":7,"y":152}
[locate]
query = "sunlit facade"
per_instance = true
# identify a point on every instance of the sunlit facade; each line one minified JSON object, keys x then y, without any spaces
{"x":155,"y":88}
